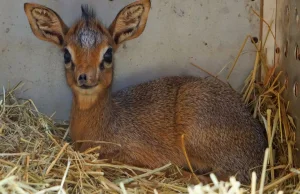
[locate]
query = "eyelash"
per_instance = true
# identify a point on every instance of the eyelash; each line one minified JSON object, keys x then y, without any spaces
{"x":67,"y":56}
{"x":107,"y":57}
{"x":68,"y":59}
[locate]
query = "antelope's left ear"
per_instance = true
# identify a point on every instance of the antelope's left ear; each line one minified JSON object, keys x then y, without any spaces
{"x":130,"y":21}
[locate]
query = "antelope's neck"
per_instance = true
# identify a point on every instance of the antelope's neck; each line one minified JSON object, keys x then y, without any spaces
{"x":90,"y":117}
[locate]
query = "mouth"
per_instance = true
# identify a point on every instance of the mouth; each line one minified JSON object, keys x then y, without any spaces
{"x":86,"y":87}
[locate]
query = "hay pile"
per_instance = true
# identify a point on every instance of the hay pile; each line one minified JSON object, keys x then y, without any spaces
{"x":263,"y":92}
{"x":265,"y":97}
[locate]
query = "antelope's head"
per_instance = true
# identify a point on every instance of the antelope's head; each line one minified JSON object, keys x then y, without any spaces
{"x":88,"y":45}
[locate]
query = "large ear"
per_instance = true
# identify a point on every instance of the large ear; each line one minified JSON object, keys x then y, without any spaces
{"x":130,"y":21}
{"x":45,"y":23}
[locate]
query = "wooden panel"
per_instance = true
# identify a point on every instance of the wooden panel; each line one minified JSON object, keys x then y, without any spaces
{"x":287,"y":37}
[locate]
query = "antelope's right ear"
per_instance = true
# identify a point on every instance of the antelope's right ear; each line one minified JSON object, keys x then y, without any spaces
{"x":45,"y":23}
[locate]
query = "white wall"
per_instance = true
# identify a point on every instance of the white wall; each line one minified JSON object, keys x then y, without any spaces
{"x":208,"y":33}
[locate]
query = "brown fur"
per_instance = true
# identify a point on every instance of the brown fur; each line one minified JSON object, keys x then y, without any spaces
{"x":148,"y":119}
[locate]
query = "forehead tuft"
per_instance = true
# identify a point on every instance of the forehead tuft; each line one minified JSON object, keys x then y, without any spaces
{"x":87,"y":13}
{"x":87,"y":33}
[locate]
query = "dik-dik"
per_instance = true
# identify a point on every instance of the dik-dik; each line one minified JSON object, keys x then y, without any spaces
{"x":149,"y":119}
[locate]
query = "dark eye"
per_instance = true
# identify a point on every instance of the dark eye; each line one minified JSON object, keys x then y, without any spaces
{"x":107,"y":57}
{"x":67,"y":56}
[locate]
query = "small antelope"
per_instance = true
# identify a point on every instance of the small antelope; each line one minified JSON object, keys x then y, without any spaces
{"x":148,"y":120}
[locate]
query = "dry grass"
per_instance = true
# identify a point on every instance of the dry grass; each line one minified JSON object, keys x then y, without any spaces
{"x":264,"y":92}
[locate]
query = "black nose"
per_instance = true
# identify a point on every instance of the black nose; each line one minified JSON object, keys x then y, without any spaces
{"x":82,"y":79}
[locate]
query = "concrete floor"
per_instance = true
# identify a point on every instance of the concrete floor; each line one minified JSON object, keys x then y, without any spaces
{"x":207,"y":33}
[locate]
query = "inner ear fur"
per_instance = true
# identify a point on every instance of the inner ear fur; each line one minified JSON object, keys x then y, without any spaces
{"x":45,"y":23}
{"x":130,"y":21}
